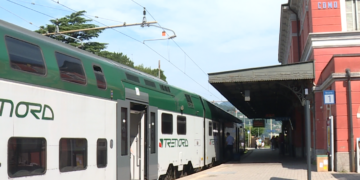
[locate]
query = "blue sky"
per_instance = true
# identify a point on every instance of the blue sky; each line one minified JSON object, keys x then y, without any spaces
{"x":218,"y":35}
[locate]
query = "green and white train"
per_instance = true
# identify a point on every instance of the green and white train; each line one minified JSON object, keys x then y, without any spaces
{"x":69,"y":114}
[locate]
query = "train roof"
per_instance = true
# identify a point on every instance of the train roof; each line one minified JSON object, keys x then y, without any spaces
{"x":170,"y":97}
{"x":72,"y":48}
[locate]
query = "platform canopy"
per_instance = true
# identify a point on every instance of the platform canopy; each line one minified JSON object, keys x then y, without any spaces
{"x":274,"y":91}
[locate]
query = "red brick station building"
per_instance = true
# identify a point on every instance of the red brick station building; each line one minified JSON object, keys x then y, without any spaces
{"x":319,"y":50}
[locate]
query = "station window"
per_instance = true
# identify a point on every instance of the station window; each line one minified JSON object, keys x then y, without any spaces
{"x":352,"y":14}
{"x":166,"y":123}
{"x":71,"y":68}
{"x":26,"y":156}
{"x":73,"y":154}
{"x":100,"y":78}
{"x":101,"y":153}
{"x":124,"y":130}
{"x":25,"y":56}
{"x":153,"y":135}
{"x":210,"y":129}
{"x":181,"y":125}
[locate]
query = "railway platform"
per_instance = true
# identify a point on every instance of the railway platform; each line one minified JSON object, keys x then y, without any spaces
{"x":267,"y":164}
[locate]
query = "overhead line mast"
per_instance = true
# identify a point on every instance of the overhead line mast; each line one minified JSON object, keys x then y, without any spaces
{"x":106,"y":27}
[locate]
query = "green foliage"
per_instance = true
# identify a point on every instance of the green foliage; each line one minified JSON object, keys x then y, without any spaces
{"x":74,"y":22}
{"x":123,"y":59}
{"x":154,"y":72}
{"x":118,"y":57}
{"x":254,"y":131}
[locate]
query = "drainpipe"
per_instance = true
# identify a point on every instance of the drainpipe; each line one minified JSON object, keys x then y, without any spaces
{"x":351,"y":133}
{"x":297,"y":29}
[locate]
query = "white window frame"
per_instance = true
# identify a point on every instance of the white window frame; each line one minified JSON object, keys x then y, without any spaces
{"x":355,"y":14}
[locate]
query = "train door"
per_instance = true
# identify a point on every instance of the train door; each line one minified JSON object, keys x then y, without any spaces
{"x":217,"y":140}
{"x":138,"y":141}
{"x":222,"y":141}
{"x":152,"y":139}
{"x":122,"y":140}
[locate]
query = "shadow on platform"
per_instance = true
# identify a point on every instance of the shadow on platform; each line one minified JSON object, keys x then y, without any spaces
{"x":272,"y":156}
{"x":347,"y":176}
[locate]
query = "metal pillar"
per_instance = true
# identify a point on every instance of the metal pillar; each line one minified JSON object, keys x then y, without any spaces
{"x":308,"y":137}
{"x":351,"y":130}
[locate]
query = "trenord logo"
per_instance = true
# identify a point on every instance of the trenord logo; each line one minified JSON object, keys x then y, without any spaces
{"x":173,"y":143}
{"x":35,"y":109}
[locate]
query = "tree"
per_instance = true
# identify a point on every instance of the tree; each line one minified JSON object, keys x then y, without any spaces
{"x":154,"y":72}
{"x":254,"y":131}
{"x":73,"y":22}
{"x":118,"y":57}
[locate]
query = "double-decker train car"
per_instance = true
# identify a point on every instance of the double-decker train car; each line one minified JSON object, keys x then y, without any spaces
{"x":68,"y":114}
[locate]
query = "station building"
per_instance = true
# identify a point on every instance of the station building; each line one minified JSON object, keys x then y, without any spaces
{"x":319,"y":49}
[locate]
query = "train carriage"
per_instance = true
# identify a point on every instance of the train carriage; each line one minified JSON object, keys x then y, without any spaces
{"x":68,"y":114}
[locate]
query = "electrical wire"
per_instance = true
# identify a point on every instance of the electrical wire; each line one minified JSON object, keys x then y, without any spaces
{"x":173,"y":40}
{"x":143,"y":44}
{"x":68,"y":11}
{"x":31,"y":9}
{"x":20,"y":17}
{"x":99,"y":22}
{"x":32,"y":3}
{"x":177,"y":67}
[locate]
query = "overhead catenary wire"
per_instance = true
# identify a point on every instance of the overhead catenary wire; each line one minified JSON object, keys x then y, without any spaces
{"x":37,"y":4}
{"x":99,"y":22}
{"x":95,"y":16}
{"x":120,"y":33}
{"x":31,"y":9}
{"x":172,"y":39}
{"x":20,"y":17}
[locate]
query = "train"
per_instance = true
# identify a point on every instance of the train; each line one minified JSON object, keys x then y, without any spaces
{"x":66,"y":113}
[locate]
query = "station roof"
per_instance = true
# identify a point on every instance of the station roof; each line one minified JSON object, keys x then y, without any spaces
{"x":274,"y":90}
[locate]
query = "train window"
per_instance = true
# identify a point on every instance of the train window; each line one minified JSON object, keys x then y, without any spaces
{"x":210,"y":129}
{"x":26,"y":156}
{"x":152,"y":131}
{"x":124,"y":130}
{"x":189,"y":101}
{"x":150,"y":83}
{"x":181,"y":125}
{"x":101,"y":153}
{"x":71,"y":68}
{"x":100,"y":78}
{"x":166,"y":123}
{"x":165,"y":88}
{"x":25,"y":56}
{"x":132,"y":78}
{"x":215,"y":130}
{"x":73,"y":154}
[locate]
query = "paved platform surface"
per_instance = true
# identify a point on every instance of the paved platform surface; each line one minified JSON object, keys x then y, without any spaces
{"x":266,"y":164}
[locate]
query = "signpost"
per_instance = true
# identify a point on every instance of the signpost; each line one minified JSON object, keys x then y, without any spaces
{"x":259,"y":123}
{"x":330,"y":140}
{"x":329,"y":99}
